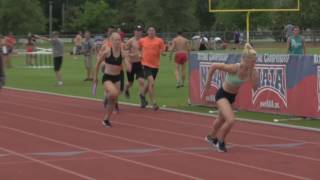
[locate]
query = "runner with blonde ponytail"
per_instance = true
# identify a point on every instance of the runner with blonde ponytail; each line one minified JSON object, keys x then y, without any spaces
{"x":237,"y":74}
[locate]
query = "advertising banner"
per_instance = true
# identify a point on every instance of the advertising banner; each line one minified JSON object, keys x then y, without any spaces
{"x":289,"y":84}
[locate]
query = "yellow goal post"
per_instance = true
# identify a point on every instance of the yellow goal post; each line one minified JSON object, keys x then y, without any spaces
{"x":214,"y":9}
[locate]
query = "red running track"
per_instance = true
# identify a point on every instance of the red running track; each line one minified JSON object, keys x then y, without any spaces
{"x":56,"y":137}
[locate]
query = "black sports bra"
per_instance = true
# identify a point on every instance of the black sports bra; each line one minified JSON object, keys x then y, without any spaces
{"x":113,"y":60}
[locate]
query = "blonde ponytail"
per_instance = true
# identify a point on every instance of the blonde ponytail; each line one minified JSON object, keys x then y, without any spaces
{"x":248,"y":52}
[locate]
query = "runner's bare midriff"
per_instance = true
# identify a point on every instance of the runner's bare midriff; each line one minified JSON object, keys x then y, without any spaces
{"x":134,"y":53}
{"x":112,"y":69}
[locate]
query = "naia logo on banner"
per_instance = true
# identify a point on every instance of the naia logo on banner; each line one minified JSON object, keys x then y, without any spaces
{"x":217,"y":78}
{"x":272,"y":79}
{"x":318,"y":87}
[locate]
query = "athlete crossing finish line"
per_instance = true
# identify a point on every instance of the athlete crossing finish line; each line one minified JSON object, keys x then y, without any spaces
{"x":237,"y":74}
{"x":151,"y":48}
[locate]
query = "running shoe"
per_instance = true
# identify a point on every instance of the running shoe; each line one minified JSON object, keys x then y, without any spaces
{"x":58,"y":84}
{"x":106,"y":123}
{"x":221,"y":146}
{"x":211,"y":140}
{"x":143,"y":101}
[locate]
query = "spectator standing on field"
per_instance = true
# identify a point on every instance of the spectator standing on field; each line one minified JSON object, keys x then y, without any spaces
{"x":2,"y":75}
{"x":88,"y":48}
{"x":77,"y":44}
{"x":10,"y":42}
{"x":57,"y":47}
{"x":236,"y":37}
{"x":296,"y":43}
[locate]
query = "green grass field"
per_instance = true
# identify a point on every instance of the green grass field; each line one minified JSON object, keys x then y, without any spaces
{"x":166,"y":92}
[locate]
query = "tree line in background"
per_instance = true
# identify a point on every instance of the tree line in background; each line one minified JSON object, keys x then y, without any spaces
{"x":70,"y":16}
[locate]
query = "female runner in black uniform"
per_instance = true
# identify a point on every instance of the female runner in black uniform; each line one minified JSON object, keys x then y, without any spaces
{"x":113,"y":59}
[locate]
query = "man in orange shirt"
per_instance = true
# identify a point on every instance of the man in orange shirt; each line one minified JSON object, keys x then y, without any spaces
{"x":151,"y":48}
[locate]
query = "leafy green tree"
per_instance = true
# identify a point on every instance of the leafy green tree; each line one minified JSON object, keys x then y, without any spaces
{"x":168,"y":15}
{"x":179,"y":15}
{"x":113,"y":3}
{"x":206,"y":19}
{"x":72,"y":24}
{"x":307,"y":17}
{"x":56,"y":12}
{"x":92,"y":16}
{"x":21,"y":17}
{"x":309,"y":14}
{"x":150,"y":15}
{"x":127,"y":14}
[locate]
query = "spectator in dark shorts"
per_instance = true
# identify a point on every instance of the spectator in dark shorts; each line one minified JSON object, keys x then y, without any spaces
{"x":30,"y":48}
{"x":181,"y":47}
{"x":88,"y":48}
{"x":2,"y":75}
{"x":77,"y":44}
{"x":57,"y":47}
{"x":236,"y":39}
{"x":10,"y":42}
{"x":152,"y":47}
{"x":132,"y":47}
